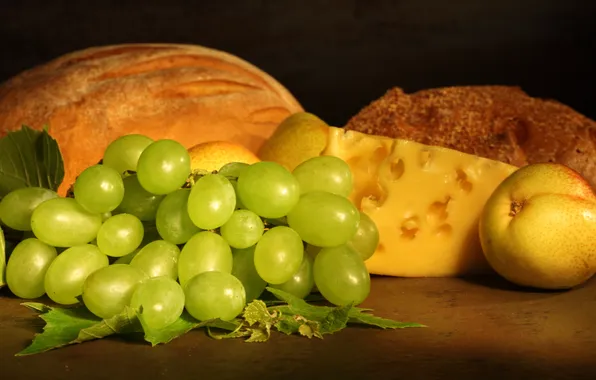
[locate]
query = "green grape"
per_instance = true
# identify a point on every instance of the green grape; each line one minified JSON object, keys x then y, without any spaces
{"x":325,"y":173}
{"x":99,"y":189}
{"x":163,"y":167}
{"x":172,"y":220}
{"x":214,"y":294}
{"x":302,"y":282}
{"x":205,"y":251}
{"x":138,"y":201}
{"x":107,"y":291}
{"x":17,"y":206}
{"x":27,"y":267}
{"x":105,"y":216}
{"x":126,"y":259}
{"x":366,"y":238}
{"x":211,"y":201}
{"x":341,"y":276}
{"x":239,"y":204}
{"x":278,"y":254}
{"x":123,"y":153}
{"x":324,"y":219}
{"x":243,"y":269}
{"x":161,"y":300}
{"x":63,"y":222}
{"x":65,"y":277}
{"x":232,"y":169}
{"x":243,"y":229}
{"x":120,"y":235}
{"x":158,"y":258}
{"x":268,"y":189}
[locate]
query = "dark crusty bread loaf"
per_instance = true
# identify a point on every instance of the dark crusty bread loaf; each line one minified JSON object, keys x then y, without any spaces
{"x":497,"y":122}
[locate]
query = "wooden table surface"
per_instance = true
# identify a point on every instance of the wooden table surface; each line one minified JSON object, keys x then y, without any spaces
{"x":481,"y":328}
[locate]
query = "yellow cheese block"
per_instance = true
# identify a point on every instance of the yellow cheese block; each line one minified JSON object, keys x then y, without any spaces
{"x":425,"y":201}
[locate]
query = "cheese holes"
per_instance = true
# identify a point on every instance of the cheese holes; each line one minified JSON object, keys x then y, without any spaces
{"x":396,"y":169}
{"x":437,"y":212}
{"x":410,"y":227}
{"x":462,"y":181}
{"x":444,"y":230}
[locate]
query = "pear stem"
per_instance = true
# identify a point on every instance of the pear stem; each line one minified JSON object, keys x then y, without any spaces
{"x":516,"y":207}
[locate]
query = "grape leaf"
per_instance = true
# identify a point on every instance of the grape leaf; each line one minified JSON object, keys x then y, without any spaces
{"x":256,"y":325}
{"x":29,"y":158}
{"x":72,"y":325}
{"x":181,"y":326}
{"x":373,"y":320}
{"x":328,"y":321}
{"x":336,"y":319}
{"x":307,"y":330}
{"x":256,"y":312}
{"x":258,"y":335}
{"x":356,"y":315}
{"x":2,"y":259}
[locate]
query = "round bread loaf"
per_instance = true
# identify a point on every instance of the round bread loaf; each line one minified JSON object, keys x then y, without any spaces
{"x":502,"y":123}
{"x":188,"y":93}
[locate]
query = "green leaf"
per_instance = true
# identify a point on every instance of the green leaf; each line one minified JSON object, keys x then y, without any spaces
{"x":258,"y":335}
{"x":72,"y":325}
{"x":123,"y":323}
{"x":63,"y":326}
{"x":29,"y":158}
{"x":180,"y":327}
{"x":256,"y":313}
{"x":336,"y":319}
{"x":296,"y":324}
{"x":310,"y":330}
{"x":373,"y":320}
{"x":2,"y":259}
{"x":298,"y":306}
{"x":356,"y":315}
{"x":52,"y":159}
{"x":313,"y":321}
{"x":239,"y":332}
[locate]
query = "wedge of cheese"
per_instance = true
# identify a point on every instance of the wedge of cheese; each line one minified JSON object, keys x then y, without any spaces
{"x":425,"y":200}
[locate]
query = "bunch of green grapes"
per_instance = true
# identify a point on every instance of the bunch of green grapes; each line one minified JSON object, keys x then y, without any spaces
{"x":138,"y":233}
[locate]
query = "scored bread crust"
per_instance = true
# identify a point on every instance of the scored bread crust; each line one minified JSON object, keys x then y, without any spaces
{"x":497,"y":122}
{"x":188,"y":93}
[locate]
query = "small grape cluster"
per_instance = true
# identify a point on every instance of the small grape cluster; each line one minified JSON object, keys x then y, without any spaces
{"x":217,"y":241}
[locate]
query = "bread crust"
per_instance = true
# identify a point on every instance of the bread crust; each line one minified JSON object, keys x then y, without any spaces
{"x":498,"y":122}
{"x":188,"y":93}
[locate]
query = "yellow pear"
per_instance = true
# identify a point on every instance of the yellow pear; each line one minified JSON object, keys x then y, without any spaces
{"x":299,"y":137}
{"x":538,"y":228}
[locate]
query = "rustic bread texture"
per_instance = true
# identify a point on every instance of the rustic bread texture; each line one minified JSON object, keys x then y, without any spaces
{"x":497,"y":122}
{"x":188,"y":93}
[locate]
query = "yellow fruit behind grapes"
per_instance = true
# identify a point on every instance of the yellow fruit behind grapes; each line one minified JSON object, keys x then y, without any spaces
{"x":299,"y":137}
{"x":212,"y":155}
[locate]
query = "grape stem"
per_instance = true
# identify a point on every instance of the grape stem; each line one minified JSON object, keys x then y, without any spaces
{"x":275,"y":222}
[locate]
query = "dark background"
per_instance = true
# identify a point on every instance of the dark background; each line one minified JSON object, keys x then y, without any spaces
{"x":337,"y":56}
